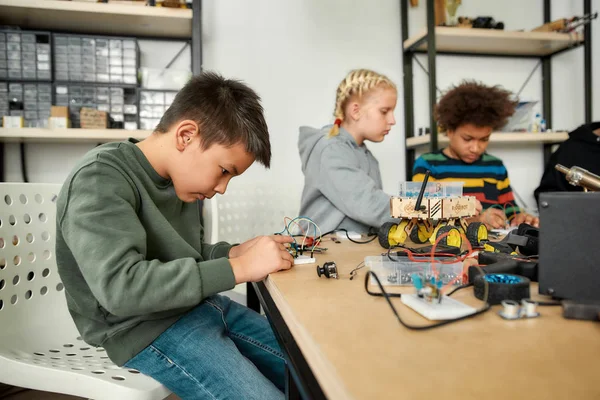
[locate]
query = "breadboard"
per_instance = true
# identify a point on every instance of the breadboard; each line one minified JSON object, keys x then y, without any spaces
{"x":304,"y":260}
{"x":448,"y":308}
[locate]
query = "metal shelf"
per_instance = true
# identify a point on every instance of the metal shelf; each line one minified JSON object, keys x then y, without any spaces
{"x":97,"y":18}
{"x":494,"y":42}
{"x":497,"y":137}
{"x":41,"y":135}
{"x":487,"y":43}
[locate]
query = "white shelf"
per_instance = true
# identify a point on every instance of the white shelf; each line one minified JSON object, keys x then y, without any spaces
{"x":97,"y":18}
{"x":40,"y":135}
{"x":497,"y":137}
{"x":491,"y":41}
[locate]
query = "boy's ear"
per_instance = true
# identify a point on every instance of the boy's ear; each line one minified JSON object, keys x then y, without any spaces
{"x":186,"y":132}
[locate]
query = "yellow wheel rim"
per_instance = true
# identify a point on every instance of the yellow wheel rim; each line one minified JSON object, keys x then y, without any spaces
{"x":435,"y":232}
{"x":391,"y":234}
{"x":397,"y":234}
{"x":454,"y":239}
{"x":482,"y":233}
{"x":424,"y":233}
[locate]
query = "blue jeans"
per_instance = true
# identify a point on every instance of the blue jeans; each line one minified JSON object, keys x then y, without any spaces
{"x":218,"y":350}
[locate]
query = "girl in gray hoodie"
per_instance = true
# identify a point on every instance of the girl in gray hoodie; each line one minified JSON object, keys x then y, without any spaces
{"x":342,"y":183}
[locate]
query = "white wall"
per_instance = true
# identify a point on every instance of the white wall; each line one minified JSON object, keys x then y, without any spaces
{"x":295,"y":52}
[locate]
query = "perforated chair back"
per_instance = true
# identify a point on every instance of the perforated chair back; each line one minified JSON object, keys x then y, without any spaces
{"x":40,"y":347}
{"x":246,"y":211}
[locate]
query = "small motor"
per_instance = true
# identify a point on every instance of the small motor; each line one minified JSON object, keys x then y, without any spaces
{"x":329,"y":269}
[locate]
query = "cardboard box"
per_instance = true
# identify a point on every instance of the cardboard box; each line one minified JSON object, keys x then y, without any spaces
{"x":59,"y":117}
{"x":59,"y":111}
{"x":93,"y":119}
{"x":12,"y":122}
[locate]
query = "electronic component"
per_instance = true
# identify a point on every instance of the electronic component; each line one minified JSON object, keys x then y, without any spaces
{"x":513,"y":310}
{"x":495,"y":263}
{"x":400,"y":271}
{"x":581,"y":310}
{"x":329,"y":269}
{"x":501,"y":287}
{"x":429,"y":290}
{"x":304,"y":260}
{"x":444,"y":309}
{"x":434,"y":212}
{"x":569,"y":250}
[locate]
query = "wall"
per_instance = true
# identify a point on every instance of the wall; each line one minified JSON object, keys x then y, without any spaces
{"x":294,"y":53}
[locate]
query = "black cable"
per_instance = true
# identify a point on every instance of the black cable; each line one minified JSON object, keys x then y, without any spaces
{"x":355,"y":270}
{"x":414,"y":327}
{"x":23,"y":163}
{"x":548,"y":303}
{"x":349,"y":238}
{"x":456,"y":289}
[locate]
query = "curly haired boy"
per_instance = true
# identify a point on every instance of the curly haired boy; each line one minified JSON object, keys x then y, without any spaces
{"x":468,"y":114}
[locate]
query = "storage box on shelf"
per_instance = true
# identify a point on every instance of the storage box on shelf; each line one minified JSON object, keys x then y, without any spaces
{"x":119,"y":102}
{"x":32,"y":101}
{"x":83,"y":58}
{"x":25,"y":55}
{"x":153,"y":104}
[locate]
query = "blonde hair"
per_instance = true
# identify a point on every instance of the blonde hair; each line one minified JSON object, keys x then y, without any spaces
{"x":357,"y":83}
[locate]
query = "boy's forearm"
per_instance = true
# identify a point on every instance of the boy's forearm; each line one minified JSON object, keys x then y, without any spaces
{"x":217,"y":250}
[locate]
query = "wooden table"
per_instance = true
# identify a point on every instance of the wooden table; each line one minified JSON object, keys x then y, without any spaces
{"x":344,"y":344}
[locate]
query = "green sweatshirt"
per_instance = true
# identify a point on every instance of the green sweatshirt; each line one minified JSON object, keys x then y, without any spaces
{"x":130,"y":253}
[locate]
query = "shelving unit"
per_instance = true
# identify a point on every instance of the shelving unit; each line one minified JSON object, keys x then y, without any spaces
{"x":97,"y":18}
{"x":497,"y":137}
{"x":103,"y":19}
{"x":494,"y":42}
{"x":41,"y":135}
{"x":488,"y":43}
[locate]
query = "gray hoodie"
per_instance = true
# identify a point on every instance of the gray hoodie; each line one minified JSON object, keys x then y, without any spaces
{"x":342,"y":183}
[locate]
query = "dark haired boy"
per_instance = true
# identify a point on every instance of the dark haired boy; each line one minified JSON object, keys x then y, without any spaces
{"x":469,"y":113}
{"x":139,"y":280}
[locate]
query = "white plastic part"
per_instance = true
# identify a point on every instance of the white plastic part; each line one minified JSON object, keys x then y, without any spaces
{"x":448,"y":308}
{"x":40,"y":347}
{"x":304,"y":260}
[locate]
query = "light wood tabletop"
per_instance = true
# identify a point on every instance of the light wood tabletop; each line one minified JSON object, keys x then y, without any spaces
{"x":357,"y":349}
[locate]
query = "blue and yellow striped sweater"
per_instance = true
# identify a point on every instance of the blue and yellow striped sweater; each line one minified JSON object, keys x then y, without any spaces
{"x":486,"y":179}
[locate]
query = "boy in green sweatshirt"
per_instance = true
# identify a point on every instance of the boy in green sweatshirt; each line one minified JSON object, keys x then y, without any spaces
{"x":139,"y":280}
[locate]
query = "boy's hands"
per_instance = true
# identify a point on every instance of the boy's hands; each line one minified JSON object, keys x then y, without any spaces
{"x":240,"y":249}
{"x":478,"y":207}
{"x":253,"y":260}
{"x":493,"y":218}
{"x":525,"y":218}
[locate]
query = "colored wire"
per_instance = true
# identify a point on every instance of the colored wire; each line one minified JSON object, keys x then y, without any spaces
{"x":374,"y":236}
{"x":387,"y":297}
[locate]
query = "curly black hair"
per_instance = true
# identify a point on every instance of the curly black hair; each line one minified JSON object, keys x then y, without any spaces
{"x":474,"y":103}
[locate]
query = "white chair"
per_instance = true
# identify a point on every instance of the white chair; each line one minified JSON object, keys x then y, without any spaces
{"x":40,"y":347}
{"x":246,"y":211}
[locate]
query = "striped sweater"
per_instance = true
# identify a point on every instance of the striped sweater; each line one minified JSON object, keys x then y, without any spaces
{"x":486,"y":179}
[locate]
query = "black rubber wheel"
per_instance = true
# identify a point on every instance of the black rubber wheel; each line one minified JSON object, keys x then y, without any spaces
{"x":450,"y":229}
{"x":383,"y":234}
{"x":502,"y":287}
{"x":473,"y":234}
{"x":414,"y":235}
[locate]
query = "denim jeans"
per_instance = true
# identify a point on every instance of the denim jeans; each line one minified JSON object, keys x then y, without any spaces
{"x":218,"y":350}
